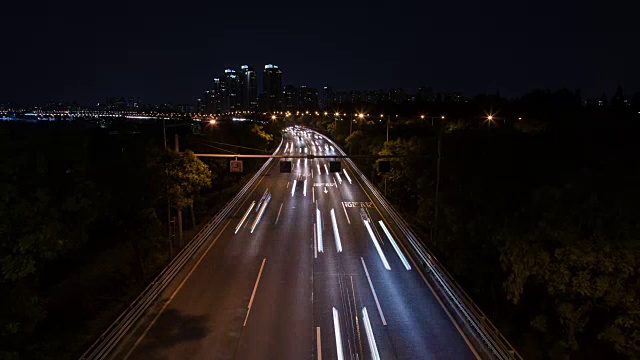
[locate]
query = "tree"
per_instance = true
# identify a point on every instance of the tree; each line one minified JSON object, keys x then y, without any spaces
{"x":186,"y":176}
{"x":578,"y":257}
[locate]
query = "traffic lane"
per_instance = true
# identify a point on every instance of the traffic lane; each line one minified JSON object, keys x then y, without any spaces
{"x":420,"y":325}
{"x":446,"y":341}
{"x":208,"y":309}
{"x":281,"y":310}
{"x":343,"y":273}
{"x":195,"y":300}
{"x":354,"y":245}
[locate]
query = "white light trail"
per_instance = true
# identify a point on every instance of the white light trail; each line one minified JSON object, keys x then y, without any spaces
{"x":336,"y":328}
{"x":257,"y":220}
{"x":253,"y":203}
{"x":264,"y":196}
{"x":347,"y":175}
{"x":395,"y":246}
{"x":336,"y":234}
{"x":375,"y":243}
{"x":372,"y":340}
{"x":319,"y":230}
{"x":304,"y":191}
{"x":293,"y":188}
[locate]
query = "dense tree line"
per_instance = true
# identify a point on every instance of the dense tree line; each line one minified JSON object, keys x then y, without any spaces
{"x":84,"y":221}
{"x":535,"y":217}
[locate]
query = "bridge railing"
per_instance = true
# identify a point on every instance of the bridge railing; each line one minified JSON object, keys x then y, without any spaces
{"x":104,"y":346}
{"x":487,"y":340}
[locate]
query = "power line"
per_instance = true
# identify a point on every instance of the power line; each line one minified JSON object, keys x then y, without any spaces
{"x":238,"y":146}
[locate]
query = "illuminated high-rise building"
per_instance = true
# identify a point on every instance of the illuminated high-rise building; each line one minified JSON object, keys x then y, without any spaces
{"x":230,"y":90}
{"x":272,"y":87}
{"x":248,"y":88}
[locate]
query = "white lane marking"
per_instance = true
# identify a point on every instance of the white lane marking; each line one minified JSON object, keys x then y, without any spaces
{"x":336,"y":328}
{"x":319,"y":230}
{"x":304,"y":191}
{"x":319,"y":171}
{"x":345,"y":212}
{"x":255,"y":287}
{"x":326,"y":168}
{"x":336,"y":234}
{"x":375,"y":243}
{"x":257,"y":220}
{"x":375,"y":297}
{"x":395,"y":246}
{"x":293,"y":188}
{"x":253,"y":203}
{"x":315,"y":242}
{"x":313,"y":192}
{"x":312,"y":173}
{"x":318,"y":342}
{"x":278,"y":217}
{"x":287,"y":184}
{"x":339,"y":178}
{"x":347,"y":175}
{"x":372,"y":340}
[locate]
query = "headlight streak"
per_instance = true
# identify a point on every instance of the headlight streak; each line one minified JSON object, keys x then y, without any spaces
{"x":347,"y":175}
{"x":372,"y":340}
{"x":375,"y":243}
{"x":336,"y":328}
{"x":264,"y":206}
{"x":336,"y":234}
{"x":253,"y":203}
{"x":395,"y":246}
{"x":319,"y":230}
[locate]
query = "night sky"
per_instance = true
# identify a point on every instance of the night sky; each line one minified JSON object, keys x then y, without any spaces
{"x":169,"y":51}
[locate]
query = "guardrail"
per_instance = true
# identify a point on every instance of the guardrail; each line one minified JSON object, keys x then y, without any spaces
{"x":110,"y":338}
{"x":476,"y":324}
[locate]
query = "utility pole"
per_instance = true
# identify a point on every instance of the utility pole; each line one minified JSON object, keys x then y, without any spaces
{"x":166,"y":172}
{"x":180,"y":237}
{"x":435,"y":221}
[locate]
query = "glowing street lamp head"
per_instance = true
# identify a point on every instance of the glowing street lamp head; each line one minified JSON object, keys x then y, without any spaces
{"x":273,"y":117}
{"x":421,"y":116}
{"x":337,"y":114}
{"x":490,"y":117}
{"x":361,"y":116}
{"x":442,"y":117}
{"x":325,"y":113}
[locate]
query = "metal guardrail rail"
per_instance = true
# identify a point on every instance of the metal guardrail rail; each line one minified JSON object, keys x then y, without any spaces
{"x":475,"y":323}
{"x":109,"y":340}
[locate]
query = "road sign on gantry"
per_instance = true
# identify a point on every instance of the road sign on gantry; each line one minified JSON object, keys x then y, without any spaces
{"x":285,"y":166}
{"x":335,"y":166}
{"x":235,"y":166}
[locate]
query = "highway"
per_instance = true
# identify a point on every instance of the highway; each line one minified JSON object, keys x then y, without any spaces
{"x":306,"y":266}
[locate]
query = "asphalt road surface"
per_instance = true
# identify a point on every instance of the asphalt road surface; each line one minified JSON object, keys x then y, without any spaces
{"x":303,"y":269}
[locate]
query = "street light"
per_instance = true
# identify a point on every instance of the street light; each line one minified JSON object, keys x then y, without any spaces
{"x":273,"y":117}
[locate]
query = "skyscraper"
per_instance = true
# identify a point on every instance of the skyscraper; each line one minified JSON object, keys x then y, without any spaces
{"x":231,"y":90}
{"x":272,"y":87}
{"x":249,"y":88}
